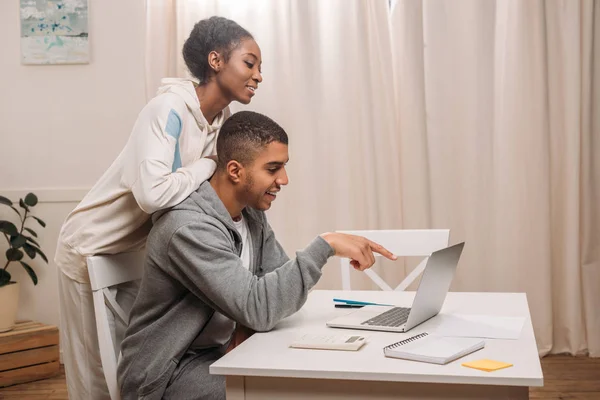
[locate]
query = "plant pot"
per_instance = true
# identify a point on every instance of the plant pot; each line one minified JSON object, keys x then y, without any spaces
{"x":9,"y":302}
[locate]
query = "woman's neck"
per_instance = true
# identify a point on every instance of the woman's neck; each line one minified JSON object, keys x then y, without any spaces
{"x":212,"y":101}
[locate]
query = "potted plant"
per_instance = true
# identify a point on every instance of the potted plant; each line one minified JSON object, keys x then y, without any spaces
{"x":21,"y":242}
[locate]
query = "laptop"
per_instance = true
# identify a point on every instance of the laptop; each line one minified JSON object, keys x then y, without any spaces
{"x":430,"y":296}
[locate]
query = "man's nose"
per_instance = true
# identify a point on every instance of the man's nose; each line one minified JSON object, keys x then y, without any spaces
{"x":283,"y":178}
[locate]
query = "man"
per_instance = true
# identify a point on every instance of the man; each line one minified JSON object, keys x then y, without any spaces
{"x":213,"y":262}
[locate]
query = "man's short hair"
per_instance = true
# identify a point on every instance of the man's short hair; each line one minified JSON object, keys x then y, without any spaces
{"x":244,"y":135}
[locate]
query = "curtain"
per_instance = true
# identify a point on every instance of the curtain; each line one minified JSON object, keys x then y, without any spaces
{"x":498,"y":127}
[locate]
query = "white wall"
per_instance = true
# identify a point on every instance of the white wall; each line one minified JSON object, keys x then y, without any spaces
{"x":62,"y":125}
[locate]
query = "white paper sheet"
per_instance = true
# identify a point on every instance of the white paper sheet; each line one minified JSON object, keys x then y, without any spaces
{"x":481,"y":326}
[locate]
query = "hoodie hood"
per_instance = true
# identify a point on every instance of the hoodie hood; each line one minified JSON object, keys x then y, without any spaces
{"x":206,"y":201}
{"x":186,"y":89}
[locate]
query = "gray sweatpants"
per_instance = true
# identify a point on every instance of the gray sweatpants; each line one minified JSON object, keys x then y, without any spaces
{"x":192,"y":381}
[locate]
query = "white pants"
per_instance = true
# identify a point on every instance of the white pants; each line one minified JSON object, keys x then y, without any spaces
{"x":79,"y":338}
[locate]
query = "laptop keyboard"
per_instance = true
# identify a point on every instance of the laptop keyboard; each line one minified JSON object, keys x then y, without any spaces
{"x":396,"y":316}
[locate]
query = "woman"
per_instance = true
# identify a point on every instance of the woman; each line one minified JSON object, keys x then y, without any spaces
{"x":167,"y":157}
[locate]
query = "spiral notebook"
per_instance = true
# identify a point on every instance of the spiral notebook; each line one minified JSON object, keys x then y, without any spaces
{"x":433,"y":348}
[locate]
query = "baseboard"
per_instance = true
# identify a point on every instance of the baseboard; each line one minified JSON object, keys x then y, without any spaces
{"x":46,"y":195}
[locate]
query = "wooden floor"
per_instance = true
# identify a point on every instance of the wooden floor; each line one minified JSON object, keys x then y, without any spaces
{"x":565,"y":378}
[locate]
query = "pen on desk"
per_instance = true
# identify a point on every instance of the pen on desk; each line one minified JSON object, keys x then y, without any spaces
{"x":360,"y":303}
{"x":349,"y":306}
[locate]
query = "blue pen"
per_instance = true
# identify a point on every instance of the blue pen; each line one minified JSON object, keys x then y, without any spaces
{"x":362,"y":303}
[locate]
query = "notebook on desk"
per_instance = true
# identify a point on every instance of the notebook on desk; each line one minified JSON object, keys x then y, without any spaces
{"x":433,"y":348}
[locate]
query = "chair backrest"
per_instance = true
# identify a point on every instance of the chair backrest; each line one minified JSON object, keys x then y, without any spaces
{"x":408,"y":242}
{"x":106,"y":272}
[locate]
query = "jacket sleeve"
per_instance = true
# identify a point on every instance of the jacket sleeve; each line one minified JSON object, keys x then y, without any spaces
{"x":159,"y":179}
{"x":276,"y":256}
{"x":204,"y":261}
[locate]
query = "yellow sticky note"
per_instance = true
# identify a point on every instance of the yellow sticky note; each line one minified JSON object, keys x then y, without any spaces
{"x":486,"y":365}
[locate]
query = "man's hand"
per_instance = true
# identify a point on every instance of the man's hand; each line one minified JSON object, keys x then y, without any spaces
{"x":357,"y":248}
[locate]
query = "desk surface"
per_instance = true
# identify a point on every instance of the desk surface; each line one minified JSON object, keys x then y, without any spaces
{"x":268,"y":354}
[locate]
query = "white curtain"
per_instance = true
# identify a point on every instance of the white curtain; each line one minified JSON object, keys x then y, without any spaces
{"x":479,"y":116}
{"x":499,"y":107}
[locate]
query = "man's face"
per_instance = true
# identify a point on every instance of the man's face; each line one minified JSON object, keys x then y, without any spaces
{"x":265,"y":177}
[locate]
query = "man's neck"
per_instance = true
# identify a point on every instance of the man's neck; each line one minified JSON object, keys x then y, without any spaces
{"x":226,"y":192}
{"x":211,"y":100}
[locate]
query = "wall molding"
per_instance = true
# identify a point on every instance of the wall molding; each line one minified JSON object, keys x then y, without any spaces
{"x":45,"y":195}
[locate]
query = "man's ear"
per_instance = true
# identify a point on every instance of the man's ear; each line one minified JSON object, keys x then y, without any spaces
{"x":235,"y":171}
{"x":215,"y":61}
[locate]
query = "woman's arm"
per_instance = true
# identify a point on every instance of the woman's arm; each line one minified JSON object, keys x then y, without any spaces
{"x":159,"y":179}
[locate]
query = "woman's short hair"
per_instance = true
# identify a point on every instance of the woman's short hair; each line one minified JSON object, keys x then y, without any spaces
{"x":212,"y":34}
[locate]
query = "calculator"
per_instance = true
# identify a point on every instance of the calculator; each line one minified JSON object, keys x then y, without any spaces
{"x":329,"y":342}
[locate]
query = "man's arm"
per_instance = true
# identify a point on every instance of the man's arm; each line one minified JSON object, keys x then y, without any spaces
{"x":274,"y":256}
{"x":359,"y":249}
{"x":203,"y":260}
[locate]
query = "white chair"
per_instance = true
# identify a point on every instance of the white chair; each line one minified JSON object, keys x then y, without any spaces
{"x":417,"y":242}
{"x":107,"y":271}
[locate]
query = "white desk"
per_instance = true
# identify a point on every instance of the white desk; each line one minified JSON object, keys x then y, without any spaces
{"x":264,"y":367}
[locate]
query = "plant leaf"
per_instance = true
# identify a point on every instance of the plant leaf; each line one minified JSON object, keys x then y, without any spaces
{"x":42,"y":223}
{"x":29,"y":249}
{"x":9,"y":228}
{"x":31,"y":199}
{"x":41,"y":253}
{"x":31,"y":231}
{"x":14,"y":254}
{"x":30,"y":239}
{"x":23,"y":205}
{"x":17,"y":241}
{"x":5,"y":201}
{"x":4,"y":277}
{"x":30,"y":271}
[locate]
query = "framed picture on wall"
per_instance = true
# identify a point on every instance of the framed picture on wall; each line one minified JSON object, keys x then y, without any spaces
{"x":54,"y":32}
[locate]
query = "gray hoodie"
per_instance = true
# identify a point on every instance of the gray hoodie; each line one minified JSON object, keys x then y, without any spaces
{"x":193,"y":269}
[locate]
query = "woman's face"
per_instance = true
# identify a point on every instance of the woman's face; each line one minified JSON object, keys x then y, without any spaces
{"x":239,"y":77}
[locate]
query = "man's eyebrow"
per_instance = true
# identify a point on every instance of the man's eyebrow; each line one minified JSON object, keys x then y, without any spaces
{"x":275,"y":163}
